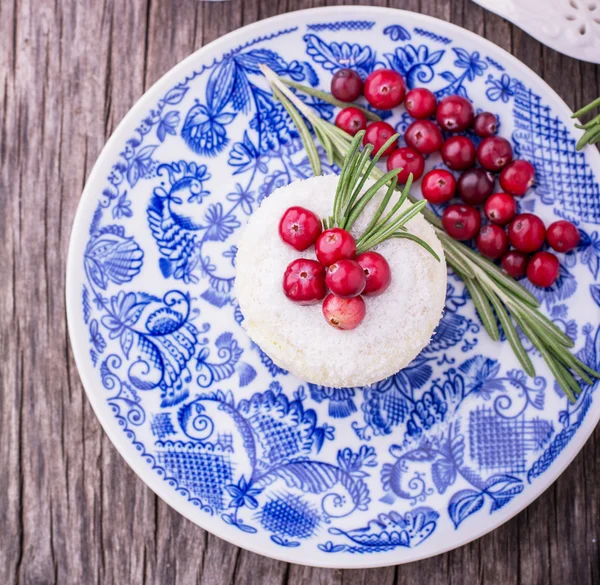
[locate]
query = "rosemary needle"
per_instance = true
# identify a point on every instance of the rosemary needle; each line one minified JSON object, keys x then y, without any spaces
{"x":592,"y":128}
{"x":494,"y":293}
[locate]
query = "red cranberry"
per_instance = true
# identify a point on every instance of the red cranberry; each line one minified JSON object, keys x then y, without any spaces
{"x":300,"y":228}
{"x":543,"y":269}
{"x":424,"y":136}
{"x":409,"y":160}
{"x":527,"y":232}
{"x":333,"y":245}
{"x":500,"y":208}
{"x":384,"y":89}
{"x":563,"y":236}
{"x":420,"y":103}
{"x":346,"y":279}
{"x":377,"y":134}
{"x":492,"y":241}
{"x":438,"y":186}
{"x":304,"y":281}
{"x":494,"y":153}
{"x":514,"y":263}
{"x":485,"y":124}
{"x":475,"y":186}
{"x":378,"y":273}
{"x":462,"y":222}
{"x":517,"y":177}
{"x":454,"y":113}
{"x":458,"y":153}
{"x":346,"y":85}
{"x":351,"y":120}
{"x":344,"y":313}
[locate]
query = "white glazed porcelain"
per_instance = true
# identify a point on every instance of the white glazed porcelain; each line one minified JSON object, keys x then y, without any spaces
{"x":571,"y":27}
{"x":431,"y":458}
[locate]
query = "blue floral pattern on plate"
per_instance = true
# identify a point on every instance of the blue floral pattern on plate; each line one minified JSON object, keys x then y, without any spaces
{"x":457,"y":441}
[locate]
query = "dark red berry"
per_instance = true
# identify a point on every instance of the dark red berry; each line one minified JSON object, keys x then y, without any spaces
{"x":563,"y":236}
{"x":346,"y":85}
{"x":500,"y":208}
{"x":377,"y":134}
{"x":333,"y":245}
{"x":304,"y":281}
{"x":494,"y":153}
{"x":485,"y":124}
{"x":517,"y":177}
{"x":454,"y":113}
{"x":475,"y":186}
{"x":299,"y":228}
{"x":543,"y":269}
{"x":492,"y":241}
{"x":346,"y":278}
{"x":462,"y":222}
{"x":527,"y":232}
{"x":424,"y":136}
{"x":458,"y":153}
{"x":344,"y":313}
{"x":438,"y":186}
{"x":514,"y":263}
{"x":351,"y":120}
{"x":378,"y":273}
{"x":420,"y":103}
{"x":384,"y":89}
{"x":409,"y":160}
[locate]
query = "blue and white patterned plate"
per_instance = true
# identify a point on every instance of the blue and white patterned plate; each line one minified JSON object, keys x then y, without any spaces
{"x":429,"y":459}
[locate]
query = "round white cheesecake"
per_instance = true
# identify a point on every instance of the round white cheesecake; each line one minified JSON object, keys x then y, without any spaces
{"x":398,"y":324}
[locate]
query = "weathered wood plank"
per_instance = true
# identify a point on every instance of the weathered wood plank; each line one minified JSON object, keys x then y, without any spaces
{"x":72,"y":511}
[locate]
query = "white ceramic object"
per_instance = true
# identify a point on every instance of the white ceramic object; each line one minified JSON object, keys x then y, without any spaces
{"x":571,"y":27}
{"x":425,"y":461}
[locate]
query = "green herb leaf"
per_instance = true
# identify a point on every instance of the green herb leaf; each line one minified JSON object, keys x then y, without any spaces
{"x":489,"y":284}
{"x":511,"y":334}
{"x":307,"y":141}
{"x":417,"y":240}
{"x":327,"y":97}
{"x":592,"y":127}
{"x":484,"y":308}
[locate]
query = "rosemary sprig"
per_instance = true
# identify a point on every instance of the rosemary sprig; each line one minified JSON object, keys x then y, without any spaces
{"x":494,"y":294}
{"x":327,"y":97}
{"x":350,"y":201}
{"x":592,"y":127}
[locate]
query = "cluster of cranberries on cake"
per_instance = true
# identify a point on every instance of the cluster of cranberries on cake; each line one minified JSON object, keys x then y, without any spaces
{"x":322,"y":311}
{"x":447,"y":126}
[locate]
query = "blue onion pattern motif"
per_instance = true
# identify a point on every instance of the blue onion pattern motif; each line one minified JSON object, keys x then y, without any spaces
{"x":112,"y":257}
{"x":397,"y":32}
{"x":204,"y":130}
{"x":337,"y":471}
{"x":334,"y":56}
{"x":386,"y":532}
{"x":503,"y":88}
{"x":414,"y":63}
{"x":122,"y":208}
{"x":167,"y":125}
{"x":472,"y":63}
{"x":244,"y":156}
{"x":469,"y":65}
{"x":589,"y":245}
{"x":142,"y":165}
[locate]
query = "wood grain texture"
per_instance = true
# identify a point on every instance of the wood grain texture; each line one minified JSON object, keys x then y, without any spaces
{"x":71,"y":510}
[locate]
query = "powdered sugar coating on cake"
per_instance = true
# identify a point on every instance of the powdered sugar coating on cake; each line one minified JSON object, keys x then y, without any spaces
{"x":398,"y":324}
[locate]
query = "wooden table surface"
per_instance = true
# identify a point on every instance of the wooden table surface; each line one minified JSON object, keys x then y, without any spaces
{"x":71,"y":510}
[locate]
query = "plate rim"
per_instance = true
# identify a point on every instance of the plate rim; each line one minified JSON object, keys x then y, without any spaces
{"x":114,"y":432}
